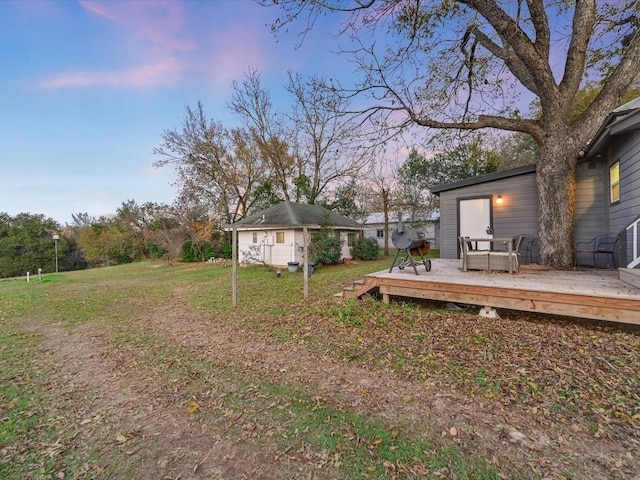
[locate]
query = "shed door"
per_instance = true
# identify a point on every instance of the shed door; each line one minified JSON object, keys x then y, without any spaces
{"x":475,"y":218}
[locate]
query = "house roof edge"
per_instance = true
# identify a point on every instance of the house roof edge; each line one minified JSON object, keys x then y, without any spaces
{"x":488,"y":177}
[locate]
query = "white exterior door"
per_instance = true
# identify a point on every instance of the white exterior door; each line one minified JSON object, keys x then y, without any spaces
{"x":475,"y":218}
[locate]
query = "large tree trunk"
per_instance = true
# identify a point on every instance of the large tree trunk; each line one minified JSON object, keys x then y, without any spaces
{"x":556,"y":194}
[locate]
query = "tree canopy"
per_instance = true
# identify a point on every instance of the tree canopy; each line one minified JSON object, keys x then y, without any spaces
{"x":27,"y":244}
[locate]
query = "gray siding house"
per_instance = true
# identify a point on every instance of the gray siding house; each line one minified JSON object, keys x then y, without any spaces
{"x":613,"y":165}
{"x":505,"y":203}
{"x":374,"y":227}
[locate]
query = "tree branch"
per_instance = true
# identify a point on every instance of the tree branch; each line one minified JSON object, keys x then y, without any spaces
{"x":531,"y":127}
{"x":507,"y":55}
{"x":519,"y":53}
{"x":582,"y":29}
{"x":541,"y":25}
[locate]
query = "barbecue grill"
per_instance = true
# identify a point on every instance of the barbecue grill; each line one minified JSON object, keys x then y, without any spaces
{"x":413,"y":243}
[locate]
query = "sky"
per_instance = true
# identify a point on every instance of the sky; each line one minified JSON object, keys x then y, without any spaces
{"x":87,"y":88}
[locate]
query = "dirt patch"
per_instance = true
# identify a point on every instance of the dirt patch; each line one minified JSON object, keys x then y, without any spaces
{"x":131,"y":422}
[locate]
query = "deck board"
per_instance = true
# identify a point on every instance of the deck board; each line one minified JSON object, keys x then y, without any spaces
{"x":592,"y":294}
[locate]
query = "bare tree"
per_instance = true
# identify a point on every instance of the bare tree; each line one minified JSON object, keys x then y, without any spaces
{"x":214,"y":165}
{"x":382,"y":187}
{"x":328,"y":147}
{"x":268,"y":129}
{"x":465,"y":64}
{"x":322,"y":144}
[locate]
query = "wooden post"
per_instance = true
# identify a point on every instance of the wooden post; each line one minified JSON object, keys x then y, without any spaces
{"x":234,"y":267}
{"x":305,"y":260}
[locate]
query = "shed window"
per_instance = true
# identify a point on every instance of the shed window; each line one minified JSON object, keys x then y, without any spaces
{"x":380,"y":233}
{"x":351,"y":239}
{"x":279,"y":237}
{"x":255,"y":237}
{"x":614,"y":182}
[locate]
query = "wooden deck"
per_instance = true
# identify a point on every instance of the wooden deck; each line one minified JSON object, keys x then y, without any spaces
{"x":591,"y":294}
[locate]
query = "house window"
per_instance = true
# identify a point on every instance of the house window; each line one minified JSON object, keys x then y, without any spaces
{"x":279,"y":237}
{"x":380,"y":233}
{"x":614,"y":182}
{"x":351,"y":239}
{"x":255,"y":237}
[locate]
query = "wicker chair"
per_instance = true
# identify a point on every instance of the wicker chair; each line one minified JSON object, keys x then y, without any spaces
{"x":473,"y":259}
{"x":508,"y":261}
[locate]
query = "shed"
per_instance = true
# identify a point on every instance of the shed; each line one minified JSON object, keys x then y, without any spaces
{"x":275,"y":236}
{"x":504,"y":202}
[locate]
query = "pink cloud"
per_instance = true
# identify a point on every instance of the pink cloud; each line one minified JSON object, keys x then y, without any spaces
{"x":156,"y":22}
{"x":160,"y":44}
{"x":167,"y":72}
{"x":149,"y":33}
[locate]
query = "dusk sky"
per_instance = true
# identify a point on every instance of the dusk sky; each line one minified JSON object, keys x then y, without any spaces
{"x":88,"y":87}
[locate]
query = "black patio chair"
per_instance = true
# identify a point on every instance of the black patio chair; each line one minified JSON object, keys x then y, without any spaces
{"x":603,"y":244}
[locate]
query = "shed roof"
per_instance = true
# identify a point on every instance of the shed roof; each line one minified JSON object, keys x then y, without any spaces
{"x":296,"y":215}
{"x":488,"y":177}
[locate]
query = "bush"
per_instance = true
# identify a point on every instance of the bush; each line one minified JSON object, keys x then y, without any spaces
{"x":226,"y":251}
{"x":365,"y":248}
{"x":154,"y":250}
{"x":326,"y":247}
{"x":193,"y":253}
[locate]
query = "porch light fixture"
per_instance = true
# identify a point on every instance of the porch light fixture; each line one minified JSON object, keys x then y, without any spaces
{"x":499,"y":200}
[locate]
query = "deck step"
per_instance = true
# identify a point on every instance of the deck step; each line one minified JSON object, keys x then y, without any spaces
{"x":359,"y":287}
{"x":630,"y":276}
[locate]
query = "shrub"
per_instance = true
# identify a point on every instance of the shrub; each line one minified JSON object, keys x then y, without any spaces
{"x":196,"y":253}
{"x":154,"y":250}
{"x":365,"y":248}
{"x":326,"y":247}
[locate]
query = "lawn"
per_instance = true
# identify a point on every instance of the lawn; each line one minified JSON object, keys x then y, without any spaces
{"x":147,"y":371}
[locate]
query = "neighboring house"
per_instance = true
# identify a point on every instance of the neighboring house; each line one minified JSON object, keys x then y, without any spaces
{"x":373,"y":226}
{"x":506,"y":202}
{"x":275,"y":236}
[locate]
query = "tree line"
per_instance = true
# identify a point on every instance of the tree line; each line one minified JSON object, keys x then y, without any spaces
{"x":135,"y":232}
